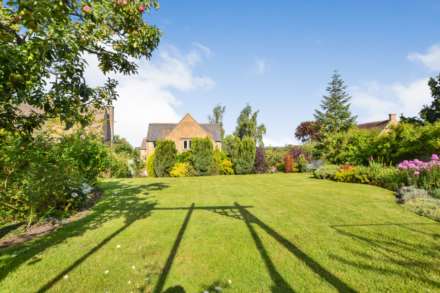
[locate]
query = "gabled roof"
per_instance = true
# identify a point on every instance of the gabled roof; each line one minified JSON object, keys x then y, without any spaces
{"x":380,"y":125}
{"x":374,"y":125}
{"x":158,"y":131}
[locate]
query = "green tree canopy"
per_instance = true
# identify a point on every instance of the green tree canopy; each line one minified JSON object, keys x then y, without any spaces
{"x":431,"y":113}
{"x":217,"y":117}
{"x":247,"y":125}
{"x":43,"y":50}
{"x":335,"y":114}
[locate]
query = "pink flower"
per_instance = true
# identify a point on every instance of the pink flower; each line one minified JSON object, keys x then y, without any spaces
{"x":141,"y":8}
{"x":435,"y":157}
{"x":87,"y":9}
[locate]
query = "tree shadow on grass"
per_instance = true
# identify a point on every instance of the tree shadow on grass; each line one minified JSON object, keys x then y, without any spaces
{"x":9,"y":228}
{"x":392,"y":255}
{"x":281,"y":285}
{"x":120,"y":201}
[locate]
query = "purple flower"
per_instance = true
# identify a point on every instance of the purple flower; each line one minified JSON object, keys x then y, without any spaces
{"x":435,"y":157}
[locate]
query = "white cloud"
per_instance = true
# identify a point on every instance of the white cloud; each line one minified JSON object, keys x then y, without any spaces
{"x":430,"y":59}
{"x":260,"y":66}
{"x":276,"y":142}
{"x":374,"y":101}
{"x":150,"y":96}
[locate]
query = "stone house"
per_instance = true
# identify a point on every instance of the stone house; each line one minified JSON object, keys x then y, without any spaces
{"x":382,"y":126}
{"x":181,"y":133}
{"x":102,"y":123}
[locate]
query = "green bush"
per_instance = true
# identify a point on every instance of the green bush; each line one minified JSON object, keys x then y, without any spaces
{"x":246,"y":158}
{"x":429,"y":179}
{"x":182,"y":170}
{"x":226,"y":167}
{"x":119,"y":167}
{"x":42,"y":176}
{"x":403,"y":142}
{"x":241,"y":152}
{"x":436,"y":193}
{"x":301,"y":164}
{"x":231,"y":147}
{"x":275,"y":157}
{"x":222,"y":165}
{"x":326,"y":172}
{"x":150,"y":165}
{"x":202,"y":156}
{"x":184,"y":157}
{"x":164,"y":158}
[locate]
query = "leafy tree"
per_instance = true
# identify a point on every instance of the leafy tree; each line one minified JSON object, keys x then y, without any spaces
{"x":202,"y":155}
{"x":43,"y":50}
{"x":164,"y":157}
{"x":246,"y":158}
{"x":410,"y":120}
{"x":307,"y":131}
{"x":247,"y":126}
{"x":260,"y":161}
{"x":217,"y":117}
{"x":335,"y":114}
{"x":431,"y":113}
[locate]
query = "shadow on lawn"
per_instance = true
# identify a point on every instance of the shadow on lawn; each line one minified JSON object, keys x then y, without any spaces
{"x":125,"y":203}
{"x":392,"y":255}
{"x":242,"y":213}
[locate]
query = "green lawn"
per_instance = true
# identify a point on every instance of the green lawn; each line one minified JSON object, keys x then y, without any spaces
{"x":264,"y":233}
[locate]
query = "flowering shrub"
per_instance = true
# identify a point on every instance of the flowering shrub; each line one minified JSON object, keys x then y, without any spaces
{"x":424,"y":174}
{"x":418,"y":166}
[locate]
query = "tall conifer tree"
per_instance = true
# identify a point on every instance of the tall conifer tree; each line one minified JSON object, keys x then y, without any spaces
{"x":335,"y":114}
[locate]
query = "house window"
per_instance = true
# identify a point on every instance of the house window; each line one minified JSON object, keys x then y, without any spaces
{"x":187,"y":144}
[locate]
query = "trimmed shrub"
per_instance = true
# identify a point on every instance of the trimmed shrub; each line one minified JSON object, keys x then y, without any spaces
{"x":150,"y":165}
{"x":202,"y":156}
{"x":182,"y":170}
{"x":241,"y":152}
{"x":231,"y":147}
{"x":260,"y":161}
{"x":165,"y":157}
{"x":226,"y":167}
{"x":246,"y":157}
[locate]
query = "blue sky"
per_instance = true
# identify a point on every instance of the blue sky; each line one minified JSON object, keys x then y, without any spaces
{"x":278,"y":56}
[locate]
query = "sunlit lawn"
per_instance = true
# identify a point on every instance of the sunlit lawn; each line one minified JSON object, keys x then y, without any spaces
{"x":264,"y":233}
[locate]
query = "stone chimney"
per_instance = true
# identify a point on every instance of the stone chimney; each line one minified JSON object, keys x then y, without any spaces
{"x":392,"y":118}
